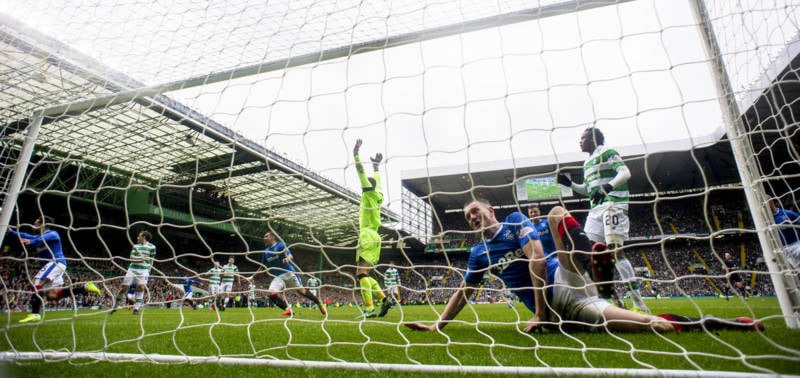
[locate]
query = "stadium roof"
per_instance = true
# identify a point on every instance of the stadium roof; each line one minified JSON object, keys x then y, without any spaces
{"x":771,"y":109}
{"x":156,"y":142}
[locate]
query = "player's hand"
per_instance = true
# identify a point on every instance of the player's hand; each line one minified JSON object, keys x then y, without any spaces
{"x":376,"y":160}
{"x":564,"y":180}
{"x":535,"y":324}
{"x":357,"y":146}
{"x":419,"y":327}
{"x":26,"y":242}
{"x":602,"y":193}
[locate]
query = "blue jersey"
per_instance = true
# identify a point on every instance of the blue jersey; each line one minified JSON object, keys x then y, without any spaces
{"x":48,"y":246}
{"x":548,"y":245}
{"x":273,"y":258}
{"x":790,"y":222}
{"x":503,"y":256}
{"x":187,"y":284}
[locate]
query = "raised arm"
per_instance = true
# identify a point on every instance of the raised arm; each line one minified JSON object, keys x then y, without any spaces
{"x":376,"y":161}
{"x":362,"y":176}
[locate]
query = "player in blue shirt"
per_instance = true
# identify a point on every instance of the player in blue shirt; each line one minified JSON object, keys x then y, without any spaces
{"x":571,"y":293}
{"x":543,"y":228}
{"x":789,"y":223}
{"x":188,"y":293}
{"x":48,"y":281}
{"x":510,"y":250}
{"x":278,"y":259}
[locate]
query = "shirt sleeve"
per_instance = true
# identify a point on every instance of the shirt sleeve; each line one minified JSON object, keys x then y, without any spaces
{"x":476,"y":267}
{"x":377,"y":176}
{"x":523,"y":228}
{"x":362,"y":176}
{"x":36,"y":241}
{"x":23,"y":235}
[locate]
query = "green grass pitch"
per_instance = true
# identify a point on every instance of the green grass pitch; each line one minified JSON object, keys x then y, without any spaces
{"x":486,"y":334}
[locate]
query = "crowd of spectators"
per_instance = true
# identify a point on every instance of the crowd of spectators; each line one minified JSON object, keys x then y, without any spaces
{"x":689,"y":263}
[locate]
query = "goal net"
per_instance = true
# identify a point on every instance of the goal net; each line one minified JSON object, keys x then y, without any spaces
{"x":212,"y":126}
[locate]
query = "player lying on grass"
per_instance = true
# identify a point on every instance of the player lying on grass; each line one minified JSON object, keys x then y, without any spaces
{"x":512,"y":251}
{"x":572,"y":295}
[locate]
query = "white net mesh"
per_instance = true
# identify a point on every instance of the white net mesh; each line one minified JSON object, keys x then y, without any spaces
{"x":239,"y":118}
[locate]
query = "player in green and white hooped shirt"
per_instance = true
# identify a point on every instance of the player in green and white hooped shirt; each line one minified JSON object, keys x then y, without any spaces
{"x":251,"y":293}
{"x":141,"y":259}
{"x":229,"y":272}
{"x":313,"y":284}
{"x":368,"y":251}
{"x":605,"y":182}
{"x":391,"y":279}
{"x":214,"y":279}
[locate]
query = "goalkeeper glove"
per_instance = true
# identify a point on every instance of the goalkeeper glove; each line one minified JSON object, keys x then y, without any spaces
{"x":376,"y":161}
{"x":601,"y":193}
{"x":564,"y":180}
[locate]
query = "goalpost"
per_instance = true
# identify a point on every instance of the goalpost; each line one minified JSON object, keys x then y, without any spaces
{"x":248,"y":118}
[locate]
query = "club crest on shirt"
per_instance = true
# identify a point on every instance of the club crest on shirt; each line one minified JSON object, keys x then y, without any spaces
{"x":524,"y":232}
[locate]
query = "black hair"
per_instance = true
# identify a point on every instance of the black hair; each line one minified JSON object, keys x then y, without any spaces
{"x":597,"y":136}
{"x":147,"y":235}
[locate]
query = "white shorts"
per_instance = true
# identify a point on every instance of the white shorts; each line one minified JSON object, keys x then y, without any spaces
{"x":214,"y":289}
{"x":136,"y":276}
{"x":393,"y":290}
{"x":313,"y":291}
{"x":574,"y":300}
{"x":608,"y":223}
{"x":288,"y":280}
{"x":792,"y":253}
{"x":188,"y":295}
{"x":226,"y":287}
{"x":53,"y":272}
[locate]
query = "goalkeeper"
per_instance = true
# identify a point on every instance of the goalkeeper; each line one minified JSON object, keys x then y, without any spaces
{"x":368,"y":251}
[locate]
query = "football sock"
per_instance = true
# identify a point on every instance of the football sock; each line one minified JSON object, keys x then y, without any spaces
{"x":376,"y":288}
{"x":139,"y":299}
{"x":313,"y":297}
{"x":36,"y":302}
{"x":275,"y":298}
{"x":628,"y":276}
{"x":366,"y":292}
